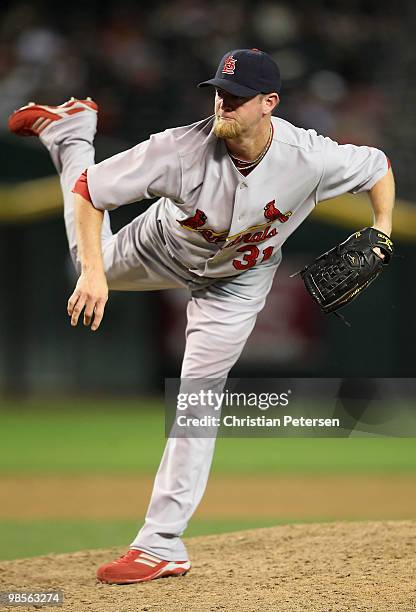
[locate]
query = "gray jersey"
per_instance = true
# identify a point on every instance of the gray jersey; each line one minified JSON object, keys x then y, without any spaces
{"x":218,"y":224}
{"x":216,"y":221}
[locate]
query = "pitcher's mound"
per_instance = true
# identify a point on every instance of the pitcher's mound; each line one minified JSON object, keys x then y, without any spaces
{"x":334,"y":567}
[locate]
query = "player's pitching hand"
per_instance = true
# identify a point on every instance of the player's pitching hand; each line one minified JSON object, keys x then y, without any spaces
{"x":90,"y":295}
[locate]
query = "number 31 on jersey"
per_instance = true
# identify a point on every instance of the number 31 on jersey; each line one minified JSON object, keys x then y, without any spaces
{"x":251,"y":256}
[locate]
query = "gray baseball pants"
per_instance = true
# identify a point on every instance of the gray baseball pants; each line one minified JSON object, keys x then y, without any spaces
{"x":220,"y":317}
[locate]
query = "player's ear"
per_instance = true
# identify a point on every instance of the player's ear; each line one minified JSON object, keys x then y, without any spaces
{"x":270,"y":101}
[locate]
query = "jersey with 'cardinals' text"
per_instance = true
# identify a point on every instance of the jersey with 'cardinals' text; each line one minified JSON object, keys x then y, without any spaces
{"x":217,"y":222}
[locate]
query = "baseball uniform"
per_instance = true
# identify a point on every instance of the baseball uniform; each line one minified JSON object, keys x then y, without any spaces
{"x":213,"y":231}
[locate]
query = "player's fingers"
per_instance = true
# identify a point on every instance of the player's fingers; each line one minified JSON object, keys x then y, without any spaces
{"x":98,"y":314}
{"x":77,"y":309}
{"x":89,"y":311}
{"x":379,"y":252}
{"x":71,"y":302}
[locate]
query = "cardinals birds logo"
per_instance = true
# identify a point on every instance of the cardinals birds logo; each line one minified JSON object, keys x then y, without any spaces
{"x":272,"y":213}
{"x":198,"y":220}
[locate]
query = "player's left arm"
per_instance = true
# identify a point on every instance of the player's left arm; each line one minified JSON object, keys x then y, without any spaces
{"x":348,"y":168}
{"x":355,"y":169}
{"x":382,"y":196}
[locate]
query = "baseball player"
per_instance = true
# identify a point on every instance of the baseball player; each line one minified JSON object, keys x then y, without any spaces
{"x":231,"y":189}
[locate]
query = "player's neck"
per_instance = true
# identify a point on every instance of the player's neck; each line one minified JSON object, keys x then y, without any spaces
{"x":250,"y":146}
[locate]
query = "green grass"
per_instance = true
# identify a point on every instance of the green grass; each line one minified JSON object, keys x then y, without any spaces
{"x":32,"y":538}
{"x":128,"y":437}
{"x":97,"y":436}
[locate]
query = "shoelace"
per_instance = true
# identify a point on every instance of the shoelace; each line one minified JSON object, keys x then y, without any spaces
{"x":127,"y":557}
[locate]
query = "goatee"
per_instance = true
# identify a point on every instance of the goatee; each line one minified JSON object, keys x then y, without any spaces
{"x":226,"y":128}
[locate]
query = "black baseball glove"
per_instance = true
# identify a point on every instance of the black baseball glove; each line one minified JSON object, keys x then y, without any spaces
{"x":337,"y":277}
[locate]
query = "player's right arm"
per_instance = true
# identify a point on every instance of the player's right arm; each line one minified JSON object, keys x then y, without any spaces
{"x":151,"y":169}
{"x":148,"y":170}
{"x":91,"y":291}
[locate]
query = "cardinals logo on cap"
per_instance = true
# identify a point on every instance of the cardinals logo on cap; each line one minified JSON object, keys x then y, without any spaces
{"x":272,"y":213}
{"x":229,"y":65}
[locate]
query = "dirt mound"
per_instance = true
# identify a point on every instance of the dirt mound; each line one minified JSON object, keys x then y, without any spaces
{"x":334,"y":567}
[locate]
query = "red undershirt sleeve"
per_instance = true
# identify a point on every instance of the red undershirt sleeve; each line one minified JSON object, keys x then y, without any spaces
{"x":81,"y":187}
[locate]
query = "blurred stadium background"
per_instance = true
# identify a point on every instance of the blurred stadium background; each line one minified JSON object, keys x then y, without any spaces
{"x":91,"y":406}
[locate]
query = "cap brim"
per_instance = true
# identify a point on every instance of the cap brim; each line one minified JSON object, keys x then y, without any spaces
{"x":231,"y":87}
